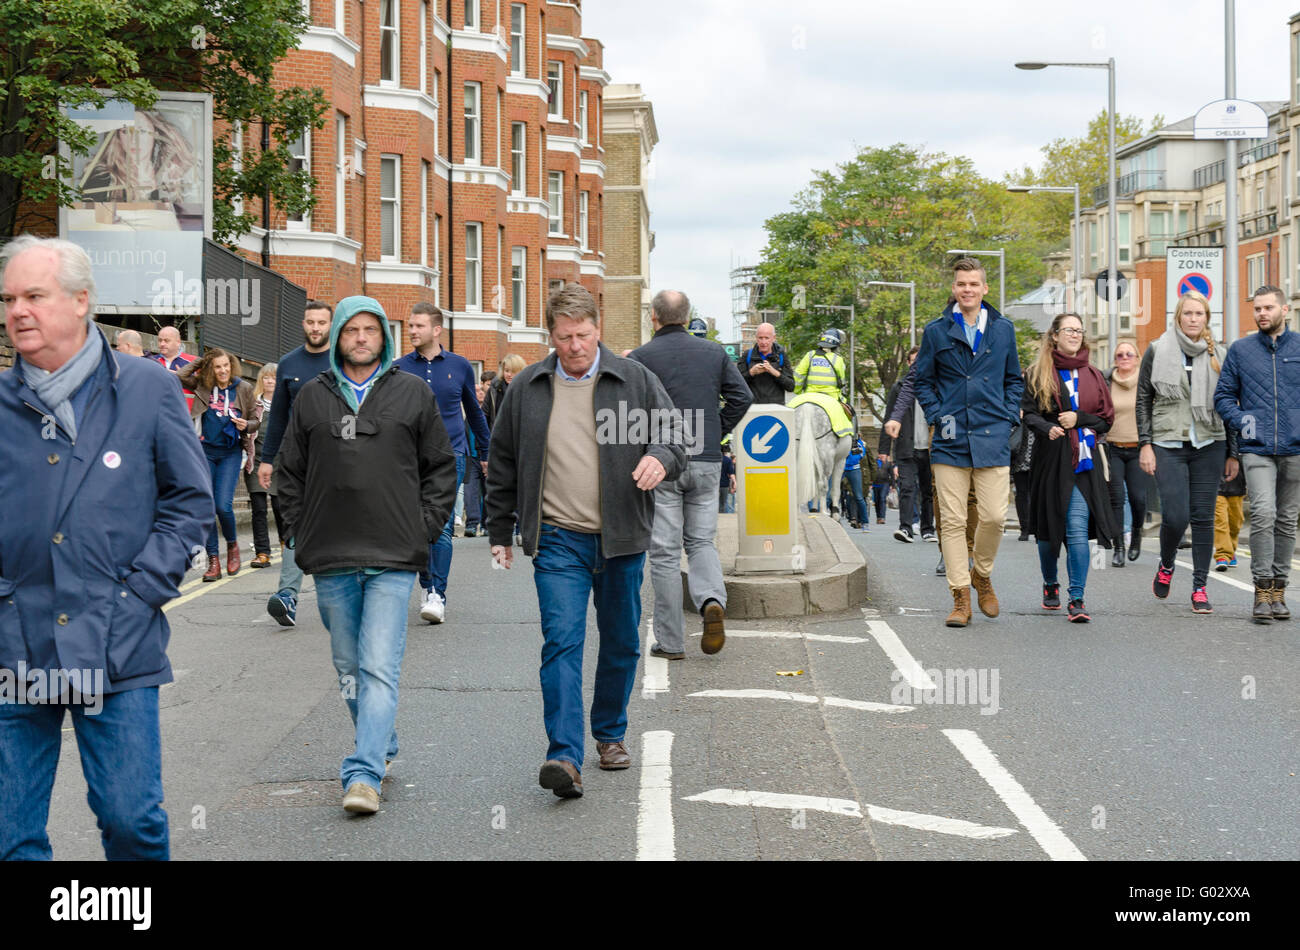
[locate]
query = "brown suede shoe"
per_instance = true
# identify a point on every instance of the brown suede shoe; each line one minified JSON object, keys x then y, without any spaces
{"x":613,"y":756}
{"x":232,"y":557}
{"x":960,"y":616}
{"x":561,"y":777}
{"x":714,"y":637}
{"x":214,"y":569}
{"x":261,"y":560}
{"x":988,"y":600}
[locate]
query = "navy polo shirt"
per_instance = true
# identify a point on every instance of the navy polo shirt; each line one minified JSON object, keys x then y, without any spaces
{"x":451,"y":378}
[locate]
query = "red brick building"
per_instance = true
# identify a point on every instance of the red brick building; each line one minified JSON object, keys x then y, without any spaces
{"x":461,"y":163}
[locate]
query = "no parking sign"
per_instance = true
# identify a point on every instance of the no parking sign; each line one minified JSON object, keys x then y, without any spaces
{"x":1198,"y":269}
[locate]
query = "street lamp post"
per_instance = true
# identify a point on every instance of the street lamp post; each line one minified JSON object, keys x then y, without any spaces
{"x":911,"y":286}
{"x":1112,"y":226}
{"x":1072,"y":189}
{"x":1002,"y":273}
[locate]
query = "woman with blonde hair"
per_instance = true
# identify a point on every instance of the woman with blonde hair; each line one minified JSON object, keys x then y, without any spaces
{"x":1185,"y":444}
{"x":1122,"y":448}
{"x":263,"y":389}
{"x":223,"y":412}
{"x":1066,"y":403}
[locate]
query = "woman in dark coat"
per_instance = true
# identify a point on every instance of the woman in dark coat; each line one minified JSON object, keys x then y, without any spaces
{"x":1067,"y":404}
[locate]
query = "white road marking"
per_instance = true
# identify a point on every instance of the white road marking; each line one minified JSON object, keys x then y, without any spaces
{"x":850,"y":809}
{"x":903,"y":661}
{"x":654,"y":820}
{"x":1048,"y":835}
{"x":791,"y":635}
{"x":803,"y":698}
{"x":654,"y":679}
{"x":1230,"y":581}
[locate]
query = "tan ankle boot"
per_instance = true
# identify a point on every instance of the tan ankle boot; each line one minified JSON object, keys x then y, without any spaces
{"x":988,"y":600}
{"x":1278,"y":600}
{"x":960,"y":616}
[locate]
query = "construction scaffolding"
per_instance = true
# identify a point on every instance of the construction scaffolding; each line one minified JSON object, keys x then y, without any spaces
{"x":747,"y":289}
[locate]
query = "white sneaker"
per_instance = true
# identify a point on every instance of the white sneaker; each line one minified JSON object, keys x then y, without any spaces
{"x":433,"y":608}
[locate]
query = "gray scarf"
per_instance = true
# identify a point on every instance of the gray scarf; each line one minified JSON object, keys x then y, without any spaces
{"x":55,"y":388}
{"x":1169,"y":374}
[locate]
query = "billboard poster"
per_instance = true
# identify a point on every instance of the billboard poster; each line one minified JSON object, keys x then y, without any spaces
{"x":145,"y":200}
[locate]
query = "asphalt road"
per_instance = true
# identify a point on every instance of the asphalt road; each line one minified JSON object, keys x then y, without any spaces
{"x":1149,"y":734}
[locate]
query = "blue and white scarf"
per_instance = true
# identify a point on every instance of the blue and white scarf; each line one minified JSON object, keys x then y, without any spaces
{"x":1087,"y":437}
{"x":980,"y":324}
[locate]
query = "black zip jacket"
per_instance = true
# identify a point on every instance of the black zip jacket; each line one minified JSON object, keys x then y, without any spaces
{"x":697,"y":374}
{"x":367,"y":489}
{"x":764,"y":387}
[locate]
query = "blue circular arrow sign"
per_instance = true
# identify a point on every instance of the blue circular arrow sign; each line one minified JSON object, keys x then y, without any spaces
{"x":765,"y":438}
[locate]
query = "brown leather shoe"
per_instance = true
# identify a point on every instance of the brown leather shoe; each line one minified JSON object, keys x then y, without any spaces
{"x":561,"y":777}
{"x":714,"y":637}
{"x":960,"y":616}
{"x":1278,"y":600}
{"x":988,"y":600}
{"x":261,"y":560}
{"x":613,"y":756}
{"x":214,"y":569}
{"x":232,"y":557}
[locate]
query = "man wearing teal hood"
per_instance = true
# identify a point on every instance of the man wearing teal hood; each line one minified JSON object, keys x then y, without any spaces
{"x":365,"y":447}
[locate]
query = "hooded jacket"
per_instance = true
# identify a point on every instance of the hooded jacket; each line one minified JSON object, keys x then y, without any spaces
{"x":366,"y":486}
{"x":98,"y":533}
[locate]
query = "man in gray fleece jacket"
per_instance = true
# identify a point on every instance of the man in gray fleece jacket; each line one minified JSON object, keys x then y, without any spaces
{"x":579,"y":444}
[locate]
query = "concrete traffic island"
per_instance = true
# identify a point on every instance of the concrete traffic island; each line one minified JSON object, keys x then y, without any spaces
{"x":834,"y":579}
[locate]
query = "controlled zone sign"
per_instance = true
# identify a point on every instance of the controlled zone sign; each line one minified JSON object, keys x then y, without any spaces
{"x":766,"y":438}
{"x":1198,"y":269}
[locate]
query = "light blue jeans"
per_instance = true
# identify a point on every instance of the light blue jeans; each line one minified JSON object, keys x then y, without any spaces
{"x":366,"y":617}
{"x":685,"y":515}
{"x":1076,"y":548}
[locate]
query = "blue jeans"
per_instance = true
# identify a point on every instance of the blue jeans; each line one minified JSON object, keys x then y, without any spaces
{"x":855,"y":485}
{"x":366,"y":617}
{"x":1076,"y":548}
{"x":435,"y":576}
{"x":474,"y":491}
{"x":121,"y":758}
{"x":568,"y":569}
{"x":224,"y":470}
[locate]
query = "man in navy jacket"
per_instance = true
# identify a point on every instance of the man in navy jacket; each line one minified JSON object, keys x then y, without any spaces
{"x":1257,"y":396}
{"x":968,"y":383}
{"x":107,"y":498}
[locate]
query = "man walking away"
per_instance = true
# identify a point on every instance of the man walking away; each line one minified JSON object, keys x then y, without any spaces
{"x":697,"y":375}
{"x":586,"y":510}
{"x":968,"y":384}
{"x":106,"y":499}
{"x":451,"y":378}
{"x":365,"y":438}
{"x":1256,"y":395}
{"x":298,"y":367}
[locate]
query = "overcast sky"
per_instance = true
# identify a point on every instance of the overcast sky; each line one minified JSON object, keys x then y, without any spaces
{"x":750,"y":97}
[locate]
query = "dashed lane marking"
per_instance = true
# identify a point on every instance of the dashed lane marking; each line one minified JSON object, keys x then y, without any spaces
{"x":1045,"y":831}
{"x":654,"y":678}
{"x":654,"y":820}
{"x":1230,"y":581}
{"x":850,"y":809}
{"x":791,"y":635}
{"x":903,"y":661}
{"x":803,"y":698}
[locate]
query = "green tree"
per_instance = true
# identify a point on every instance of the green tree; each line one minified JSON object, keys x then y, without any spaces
{"x":83,"y":52}
{"x":889,"y":214}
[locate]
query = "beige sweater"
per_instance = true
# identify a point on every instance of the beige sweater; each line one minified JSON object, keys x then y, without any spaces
{"x":1124,"y":394}
{"x":571,"y":481}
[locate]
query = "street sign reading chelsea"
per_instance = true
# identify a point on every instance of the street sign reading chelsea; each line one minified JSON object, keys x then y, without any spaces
{"x":1230,"y":119}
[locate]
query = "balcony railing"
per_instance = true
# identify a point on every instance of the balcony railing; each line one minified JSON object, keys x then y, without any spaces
{"x":1210,"y":174}
{"x":1133,"y":182}
{"x":1258,"y":153}
{"x":1264,"y":222}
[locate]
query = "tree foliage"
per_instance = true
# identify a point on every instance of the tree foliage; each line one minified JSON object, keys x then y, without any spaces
{"x":891,"y":214}
{"x":83,"y":52}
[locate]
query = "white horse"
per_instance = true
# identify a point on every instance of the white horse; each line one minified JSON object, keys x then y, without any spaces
{"x":819,"y":455}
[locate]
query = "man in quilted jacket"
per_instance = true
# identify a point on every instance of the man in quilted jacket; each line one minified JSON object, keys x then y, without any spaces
{"x":1252,"y":397}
